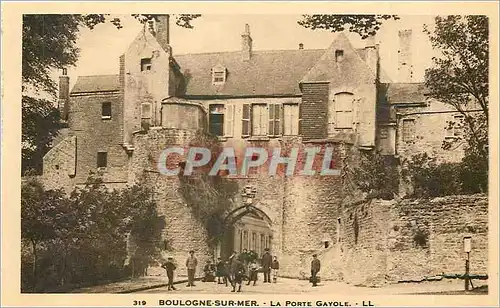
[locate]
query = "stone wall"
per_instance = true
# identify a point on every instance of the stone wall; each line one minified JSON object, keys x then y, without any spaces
{"x":95,"y":133}
{"x":413,"y":239}
{"x":431,"y":129}
{"x":183,"y":231}
{"x":59,"y":165}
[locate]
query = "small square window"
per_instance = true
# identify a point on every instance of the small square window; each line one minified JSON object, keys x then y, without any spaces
{"x":106,"y":110}
{"x":218,"y":75}
{"x":339,"y":55}
{"x":146,"y":64}
{"x":102,"y":159}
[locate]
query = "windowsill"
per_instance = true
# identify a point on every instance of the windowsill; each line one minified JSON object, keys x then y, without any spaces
{"x":102,"y":169}
{"x":258,"y":138}
{"x":106,"y":117}
{"x":222,"y":138}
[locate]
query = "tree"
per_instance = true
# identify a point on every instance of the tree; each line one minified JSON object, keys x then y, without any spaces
{"x":49,"y":43}
{"x":39,"y":210}
{"x":364,"y":25}
{"x":459,"y":78}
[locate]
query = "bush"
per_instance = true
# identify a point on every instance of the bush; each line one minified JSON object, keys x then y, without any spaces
{"x":82,"y":239}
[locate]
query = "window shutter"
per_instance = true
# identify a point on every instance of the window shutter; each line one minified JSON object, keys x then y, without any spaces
{"x":300,"y":120}
{"x":245,"y":124}
{"x":277,"y":119}
{"x":271,"y":109}
{"x":229,"y":121}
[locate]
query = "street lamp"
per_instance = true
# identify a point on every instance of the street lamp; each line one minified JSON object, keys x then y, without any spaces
{"x":467,"y":249}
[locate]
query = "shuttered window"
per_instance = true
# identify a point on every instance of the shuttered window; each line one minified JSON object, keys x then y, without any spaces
{"x":259,"y":120}
{"x":216,"y":120}
{"x":246,"y":120}
{"x":343,"y":110}
{"x":274,"y":124}
{"x":229,"y":120}
{"x":291,"y":119}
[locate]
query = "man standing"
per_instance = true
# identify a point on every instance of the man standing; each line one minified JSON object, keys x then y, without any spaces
{"x":315,"y":267}
{"x":191,"y":264}
{"x":170,"y":267}
{"x":267,"y":260}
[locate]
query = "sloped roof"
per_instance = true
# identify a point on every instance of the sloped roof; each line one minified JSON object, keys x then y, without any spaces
{"x":96,"y":83}
{"x":266,"y":73}
{"x":351,"y":70}
{"x":398,"y":93}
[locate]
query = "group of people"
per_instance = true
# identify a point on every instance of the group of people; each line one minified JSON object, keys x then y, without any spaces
{"x":236,"y":269}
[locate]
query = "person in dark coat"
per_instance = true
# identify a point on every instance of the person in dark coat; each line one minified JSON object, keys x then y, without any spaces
{"x":219,"y":273}
{"x":237,"y":272}
{"x":170,"y":267}
{"x":266,"y":262}
{"x":315,"y":267}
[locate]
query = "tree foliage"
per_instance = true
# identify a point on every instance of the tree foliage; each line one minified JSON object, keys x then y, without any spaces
{"x":82,"y":238}
{"x":377,"y":175}
{"x":429,"y":178}
{"x":459,"y":78}
{"x":364,"y":25}
{"x":209,"y":197}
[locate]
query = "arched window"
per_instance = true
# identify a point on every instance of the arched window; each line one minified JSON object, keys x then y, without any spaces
{"x":343,"y":110}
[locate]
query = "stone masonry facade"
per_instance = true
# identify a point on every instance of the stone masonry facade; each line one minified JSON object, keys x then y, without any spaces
{"x":339,"y":97}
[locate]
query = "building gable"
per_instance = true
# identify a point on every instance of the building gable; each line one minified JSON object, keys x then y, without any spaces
{"x":340,"y":65}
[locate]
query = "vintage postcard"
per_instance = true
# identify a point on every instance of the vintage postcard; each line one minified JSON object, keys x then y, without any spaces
{"x":250,"y":154}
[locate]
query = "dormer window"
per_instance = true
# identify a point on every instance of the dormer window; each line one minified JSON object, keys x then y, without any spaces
{"x":219,"y":75}
{"x":339,"y":55}
{"x":145,"y":64}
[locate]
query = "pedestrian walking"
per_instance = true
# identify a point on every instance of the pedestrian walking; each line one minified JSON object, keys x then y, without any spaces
{"x":267,"y":259}
{"x":237,"y":273}
{"x":315,"y":267}
{"x":275,"y":266}
{"x":191,"y":264}
{"x":170,"y":267}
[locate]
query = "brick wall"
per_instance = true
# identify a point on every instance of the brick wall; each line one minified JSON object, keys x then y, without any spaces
{"x":314,"y":110}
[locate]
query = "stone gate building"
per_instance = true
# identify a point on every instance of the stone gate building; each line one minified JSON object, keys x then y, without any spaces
{"x":339,"y":96}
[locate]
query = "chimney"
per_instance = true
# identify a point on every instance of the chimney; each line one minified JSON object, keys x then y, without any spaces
{"x":63,"y":102}
{"x":372,"y":55}
{"x":246,"y":42}
{"x":405,"y":66}
{"x":301,"y":46}
{"x":163,"y":31}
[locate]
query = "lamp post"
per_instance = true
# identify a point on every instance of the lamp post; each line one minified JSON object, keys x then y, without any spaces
{"x":467,"y":249}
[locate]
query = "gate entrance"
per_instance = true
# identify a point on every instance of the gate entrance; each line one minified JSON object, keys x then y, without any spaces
{"x":247,"y":228}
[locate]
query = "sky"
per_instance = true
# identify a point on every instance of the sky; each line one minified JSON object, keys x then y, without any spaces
{"x":101,"y":47}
